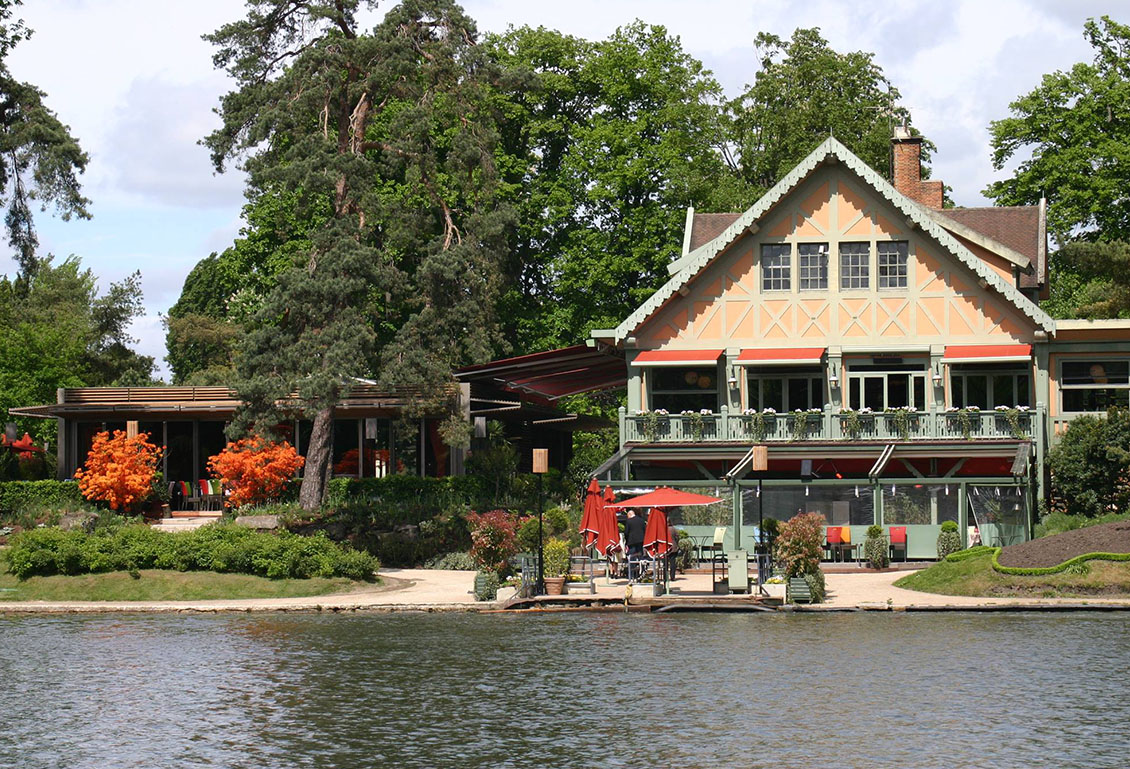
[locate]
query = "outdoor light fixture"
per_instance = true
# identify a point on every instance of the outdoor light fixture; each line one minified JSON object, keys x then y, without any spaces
{"x":937,"y":375}
{"x":833,"y":380}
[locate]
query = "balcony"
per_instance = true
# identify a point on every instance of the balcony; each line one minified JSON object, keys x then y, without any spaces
{"x":899,"y":425}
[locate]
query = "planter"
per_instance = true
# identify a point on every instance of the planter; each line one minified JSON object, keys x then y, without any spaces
{"x":775,"y":590}
{"x":555,"y":586}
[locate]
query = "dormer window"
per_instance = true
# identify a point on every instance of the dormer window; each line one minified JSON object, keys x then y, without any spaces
{"x":855,"y":265}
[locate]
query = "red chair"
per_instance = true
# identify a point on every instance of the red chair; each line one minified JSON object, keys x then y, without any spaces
{"x":898,"y":541}
{"x":833,"y":539}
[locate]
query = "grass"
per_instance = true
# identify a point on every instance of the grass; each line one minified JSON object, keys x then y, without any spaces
{"x":976,"y":577}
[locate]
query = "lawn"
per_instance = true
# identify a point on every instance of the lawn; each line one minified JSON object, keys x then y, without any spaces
{"x":976,"y":577}
{"x":154,"y":585}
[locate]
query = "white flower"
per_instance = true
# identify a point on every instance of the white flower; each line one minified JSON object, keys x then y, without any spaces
{"x":951,"y":409}
{"x":815,"y":411}
{"x":706,"y":412}
{"x":769,"y":411}
{"x":685,"y":413}
{"x":642,"y":413}
{"x":1000,"y":408}
{"x":865,"y":410}
{"x":748,"y":412}
{"x":662,"y":412}
{"x":1022,"y":408}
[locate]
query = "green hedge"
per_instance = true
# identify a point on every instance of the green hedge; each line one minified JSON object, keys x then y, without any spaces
{"x":972,"y":552}
{"x":220,"y":548}
{"x":18,"y":496}
{"x":1020,"y":571}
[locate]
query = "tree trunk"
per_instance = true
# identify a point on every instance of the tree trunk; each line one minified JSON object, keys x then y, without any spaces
{"x":316,"y":472}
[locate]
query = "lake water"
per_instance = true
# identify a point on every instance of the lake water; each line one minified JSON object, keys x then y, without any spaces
{"x":566,"y":690}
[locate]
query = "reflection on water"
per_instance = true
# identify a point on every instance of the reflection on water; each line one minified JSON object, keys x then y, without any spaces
{"x":845,"y":690}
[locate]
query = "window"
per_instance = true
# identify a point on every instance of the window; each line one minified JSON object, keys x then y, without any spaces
{"x":880,"y":386}
{"x":683,"y":388}
{"x":776,"y":259}
{"x":813,"y":266}
{"x":1095,"y":385}
{"x":786,"y":390}
{"x":892,"y":264}
{"x":855,"y":265}
{"x":986,"y":388}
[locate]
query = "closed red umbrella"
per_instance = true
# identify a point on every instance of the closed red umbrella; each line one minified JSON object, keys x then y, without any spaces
{"x":655,"y":540}
{"x":590,"y":520}
{"x":608,"y":538}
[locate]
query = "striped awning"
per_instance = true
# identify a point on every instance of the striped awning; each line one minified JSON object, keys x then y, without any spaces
{"x":782,"y":356}
{"x":988,"y":353}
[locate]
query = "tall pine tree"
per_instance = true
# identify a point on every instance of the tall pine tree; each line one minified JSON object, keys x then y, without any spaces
{"x":387,"y":139}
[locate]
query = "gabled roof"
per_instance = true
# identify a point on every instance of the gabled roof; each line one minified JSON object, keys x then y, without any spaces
{"x":1017,"y":228}
{"x":831,"y":149}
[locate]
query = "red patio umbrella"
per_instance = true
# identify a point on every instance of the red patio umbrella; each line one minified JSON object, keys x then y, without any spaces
{"x":590,"y":521}
{"x":655,"y":540}
{"x":608,"y":537}
{"x":665,"y":497}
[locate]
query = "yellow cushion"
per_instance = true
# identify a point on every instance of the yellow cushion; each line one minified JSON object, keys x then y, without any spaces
{"x":845,"y":534}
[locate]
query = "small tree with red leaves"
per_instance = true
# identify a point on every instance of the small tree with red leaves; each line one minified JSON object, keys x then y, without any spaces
{"x":119,"y":470}
{"x":494,"y":539}
{"x":254,"y":470}
{"x":799,"y":546}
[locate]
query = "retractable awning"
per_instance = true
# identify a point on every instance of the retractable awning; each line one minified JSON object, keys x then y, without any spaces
{"x":787,"y":356}
{"x":988,"y":353}
{"x":552,"y":374}
{"x":678,"y":357}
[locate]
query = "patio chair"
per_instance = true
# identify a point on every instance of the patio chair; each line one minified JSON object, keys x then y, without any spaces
{"x":833,"y":538}
{"x":898,"y":541}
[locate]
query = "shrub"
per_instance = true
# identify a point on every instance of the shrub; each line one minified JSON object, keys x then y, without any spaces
{"x":493,"y":539}
{"x":876,"y":549}
{"x":119,"y":470}
{"x":486,"y":586}
{"x":254,"y":470}
{"x":800,"y":545}
{"x":1058,"y":522}
{"x":816,"y":585}
{"x":556,"y":558}
{"x":28,"y":500}
{"x":220,"y":548}
{"x":456,"y":561}
{"x":1090,"y":466}
{"x":949,"y":540}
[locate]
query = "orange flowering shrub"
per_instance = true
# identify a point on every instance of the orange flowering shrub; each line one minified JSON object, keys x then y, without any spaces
{"x":119,"y":470}
{"x":254,"y":470}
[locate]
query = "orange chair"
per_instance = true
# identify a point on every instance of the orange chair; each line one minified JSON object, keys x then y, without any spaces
{"x":898,"y":541}
{"x":833,"y":540}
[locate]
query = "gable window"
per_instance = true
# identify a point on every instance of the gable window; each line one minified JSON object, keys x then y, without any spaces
{"x":1092,"y":385}
{"x":786,"y":390}
{"x":892,"y":264}
{"x":986,"y":388}
{"x":683,"y":388}
{"x":855,"y":265}
{"x":776,"y":267}
{"x":813,"y":266}
{"x":887,"y":385}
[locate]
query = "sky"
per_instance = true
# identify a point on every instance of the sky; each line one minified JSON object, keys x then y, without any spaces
{"x":134,"y":81}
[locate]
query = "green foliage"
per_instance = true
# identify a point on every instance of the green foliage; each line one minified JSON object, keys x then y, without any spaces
{"x":57,"y":331}
{"x":220,"y":548}
{"x":556,"y":523}
{"x":1090,"y":466}
{"x":876,"y":549}
{"x":556,"y":558}
{"x":1068,"y":565}
{"x":1057,"y":522}
{"x":1077,"y":146}
{"x":486,"y":586}
{"x":949,"y":526}
{"x":39,"y":159}
{"x":803,"y":93}
{"x":604,"y":145}
{"x":816,"y":585}
{"x":949,"y":541}
{"x":972,"y":552}
{"x":493,"y":539}
{"x":590,"y":450}
{"x":496,"y":462}
{"x":18,"y":498}
{"x":456,"y":561}
{"x":799,"y":546}
{"x":1090,"y":280}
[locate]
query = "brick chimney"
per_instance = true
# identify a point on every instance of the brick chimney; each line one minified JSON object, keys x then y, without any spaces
{"x":906,"y":171}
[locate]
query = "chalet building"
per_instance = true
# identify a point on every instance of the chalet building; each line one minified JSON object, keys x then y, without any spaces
{"x":889,"y":353}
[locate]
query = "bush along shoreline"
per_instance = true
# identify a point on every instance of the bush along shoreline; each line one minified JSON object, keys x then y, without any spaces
{"x":222,"y":548}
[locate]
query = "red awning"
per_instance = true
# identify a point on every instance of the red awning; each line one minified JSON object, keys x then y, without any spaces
{"x":788,"y":356}
{"x":553,"y":373}
{"x":988,"y":353}
{"x":678,"y":357}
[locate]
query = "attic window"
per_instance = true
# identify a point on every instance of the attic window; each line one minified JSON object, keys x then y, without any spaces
{"x":855,"y":265}
{"x":813,"y":266}
{"x":776,"y":267}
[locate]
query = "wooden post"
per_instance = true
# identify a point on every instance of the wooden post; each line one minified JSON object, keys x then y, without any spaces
{"x":131,"y":428}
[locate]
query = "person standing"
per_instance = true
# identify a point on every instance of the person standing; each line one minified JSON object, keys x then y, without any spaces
{"x":634,"y":530}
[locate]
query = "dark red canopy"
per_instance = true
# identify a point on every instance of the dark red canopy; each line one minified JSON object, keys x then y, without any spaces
{"x":665,"y":497}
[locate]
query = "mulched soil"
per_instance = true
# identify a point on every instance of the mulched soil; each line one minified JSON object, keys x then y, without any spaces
{"x":1054,"y":550}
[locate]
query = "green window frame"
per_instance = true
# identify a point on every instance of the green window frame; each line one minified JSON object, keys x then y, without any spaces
{"x":986,"y":387}
{"x":893,"y":259}
{"x":785,"y":390}
{"x":855,"y":266}
{"x":886,"y":386}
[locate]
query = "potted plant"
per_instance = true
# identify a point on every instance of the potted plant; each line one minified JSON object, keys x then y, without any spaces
{"x":760,"y":423}
{"x":876,"y":549}
{"x":775,"y":587}
{"x":556,"y":566}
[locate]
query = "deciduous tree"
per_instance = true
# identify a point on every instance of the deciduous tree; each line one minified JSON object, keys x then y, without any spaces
{"x":1074,"y":133}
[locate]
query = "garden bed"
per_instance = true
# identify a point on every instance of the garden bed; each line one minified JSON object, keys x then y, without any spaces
{"x":1054,"y":550}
